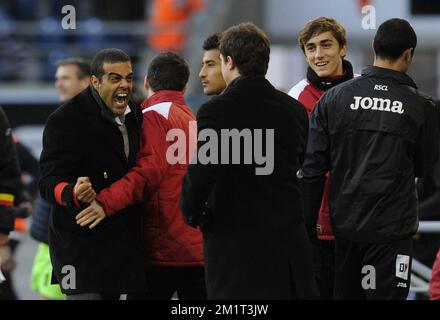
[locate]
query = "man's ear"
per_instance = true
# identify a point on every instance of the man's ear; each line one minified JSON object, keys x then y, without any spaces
{"x":146,"y":83}
{"x":407,"y":55}
{"x":230,"y":63}
{"x":343,"y":51}
{"x":95,"y":82}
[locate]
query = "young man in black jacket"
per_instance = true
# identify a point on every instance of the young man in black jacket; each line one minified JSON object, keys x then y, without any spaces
{"x":255,"y":242}
{"x":375,"y":134}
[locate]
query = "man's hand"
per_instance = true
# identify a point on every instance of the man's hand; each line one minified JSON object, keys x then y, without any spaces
{"x":84,"y":191}
{"x":94,"y":213}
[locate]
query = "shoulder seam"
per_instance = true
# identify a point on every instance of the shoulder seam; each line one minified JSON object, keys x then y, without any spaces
{"x":297,"y":89}
{"x":162,"y":108}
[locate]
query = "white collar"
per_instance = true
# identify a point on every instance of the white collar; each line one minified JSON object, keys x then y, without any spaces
{"x":121,"y":119}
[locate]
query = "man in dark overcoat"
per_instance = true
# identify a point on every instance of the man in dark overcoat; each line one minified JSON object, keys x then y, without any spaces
{"x":255,"y":242}
{"x":88,"y":143}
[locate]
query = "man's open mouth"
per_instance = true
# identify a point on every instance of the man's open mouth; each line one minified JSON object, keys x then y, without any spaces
{"x":121,"y":99}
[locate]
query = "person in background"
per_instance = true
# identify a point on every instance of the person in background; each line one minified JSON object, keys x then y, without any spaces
{"x":23,"y":204}
{"x":10,"y":186}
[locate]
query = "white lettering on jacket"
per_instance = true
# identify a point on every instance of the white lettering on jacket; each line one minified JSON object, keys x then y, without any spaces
{"x":378,"y":104}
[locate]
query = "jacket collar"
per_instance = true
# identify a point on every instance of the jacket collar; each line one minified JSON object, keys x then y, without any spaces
{"x":249,"y":82}
{"x":378,"y":72}
{"x":164,"y":96}
{"x":325,"y":83}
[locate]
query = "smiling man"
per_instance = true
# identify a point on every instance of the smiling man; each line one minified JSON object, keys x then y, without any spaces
{"x":96,"y":134}
{"x":325,"y":46}
{"x":211,"y":73}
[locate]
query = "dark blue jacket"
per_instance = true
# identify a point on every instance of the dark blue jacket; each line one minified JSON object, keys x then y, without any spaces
{"x":40,"y":221}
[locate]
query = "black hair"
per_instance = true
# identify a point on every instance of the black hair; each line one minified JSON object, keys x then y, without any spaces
{"x":111,"y":55}
{"x":212,"y":42}
{"x":393,"y":37}
{"x":248,"y":46}
{"x":168,"y":71}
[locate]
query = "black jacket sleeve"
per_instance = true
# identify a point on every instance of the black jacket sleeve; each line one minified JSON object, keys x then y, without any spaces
{"x":10,"y":178}
{"x":317,"y":158}
{"x":60,"y":158}
{"x":316,"y":163}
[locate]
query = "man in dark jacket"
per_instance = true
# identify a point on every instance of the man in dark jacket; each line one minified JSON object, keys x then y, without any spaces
{"x":374,"y":133}
{"x":10,"y":179}
{"x":255,"y":242}
{"x":94,"y":135}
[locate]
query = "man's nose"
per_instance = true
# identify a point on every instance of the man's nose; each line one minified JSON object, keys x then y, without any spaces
{"x":124,"y":83}
{"x":319,"y":52}
{"x":202,"y":73}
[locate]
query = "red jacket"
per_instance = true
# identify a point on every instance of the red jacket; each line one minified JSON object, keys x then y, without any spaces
{"x":434,"y":285}
{"x":308,"y":95}
{"x":156,"y":182}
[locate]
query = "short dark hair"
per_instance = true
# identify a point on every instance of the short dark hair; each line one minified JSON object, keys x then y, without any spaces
{"x":393,"y":37}
{"x":111,"y":55}
{"x":83,"y":67}
{"x":320,"y":25}
{"x":212,"y":42}
{"x":248,"y":46}
{"x":168,"y":71}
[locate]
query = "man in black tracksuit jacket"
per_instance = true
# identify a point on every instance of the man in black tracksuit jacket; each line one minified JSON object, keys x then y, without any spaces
{"x":375,"y":133}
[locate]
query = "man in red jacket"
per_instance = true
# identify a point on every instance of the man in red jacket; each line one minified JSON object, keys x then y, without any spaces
{"x":173,"y":252}
{"x":324,"y":45}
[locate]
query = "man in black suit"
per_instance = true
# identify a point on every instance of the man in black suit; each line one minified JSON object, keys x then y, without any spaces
{"x":92,"y":140}
{"x":255,"y":243}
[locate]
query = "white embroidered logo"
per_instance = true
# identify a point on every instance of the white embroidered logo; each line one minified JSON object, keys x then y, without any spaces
{"x":378,"y":104}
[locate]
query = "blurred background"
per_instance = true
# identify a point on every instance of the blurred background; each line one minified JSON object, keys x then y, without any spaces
{"x":32,"y":40}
